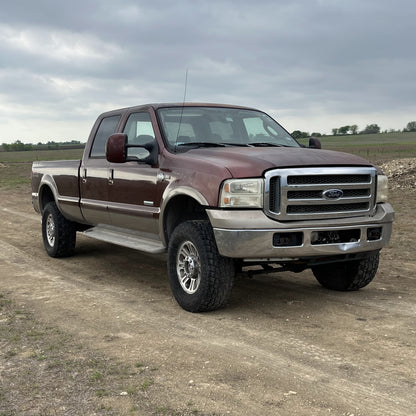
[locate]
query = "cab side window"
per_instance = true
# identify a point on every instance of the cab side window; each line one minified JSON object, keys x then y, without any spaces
{"x":139,"y":131}
{"x":137,"y":126}
{"x":107,"y":127}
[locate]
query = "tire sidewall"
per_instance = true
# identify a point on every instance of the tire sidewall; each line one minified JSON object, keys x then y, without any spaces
{"x":50,"y":210}
{"x":215,"y":280}
{"x":65,"y":232}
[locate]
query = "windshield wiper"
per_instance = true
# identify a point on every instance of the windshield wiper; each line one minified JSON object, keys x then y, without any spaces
{"x":200,"y":144}
{"x":237,"y":144}
{"x":267,"y":144}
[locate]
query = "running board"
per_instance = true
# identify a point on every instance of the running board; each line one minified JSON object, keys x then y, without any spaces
{"x":125,"y":239}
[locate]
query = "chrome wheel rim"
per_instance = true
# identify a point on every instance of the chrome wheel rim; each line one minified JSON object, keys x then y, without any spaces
{"x":188,"y":267}
{"x":50,"y":230}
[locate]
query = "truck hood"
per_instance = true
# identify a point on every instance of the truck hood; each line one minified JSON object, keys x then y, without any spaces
{"x":254,"y":161}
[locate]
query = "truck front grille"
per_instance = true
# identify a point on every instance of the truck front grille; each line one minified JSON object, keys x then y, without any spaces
{"x":313,"y":193}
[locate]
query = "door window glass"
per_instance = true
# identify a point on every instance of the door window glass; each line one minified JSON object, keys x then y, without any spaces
{"x":139,"y":131}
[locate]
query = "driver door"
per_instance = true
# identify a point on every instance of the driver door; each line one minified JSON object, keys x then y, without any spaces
{"x":134,"y":191}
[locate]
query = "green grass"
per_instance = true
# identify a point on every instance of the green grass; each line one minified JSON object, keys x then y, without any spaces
{"x":16,"y":167}
{"x":15,"y":175}
{"x":374,"y":147}
{"x":368,"y":139}
{"x":32,"y":155}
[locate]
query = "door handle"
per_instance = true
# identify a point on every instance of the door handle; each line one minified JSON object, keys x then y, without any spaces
{"x":111,"y":176}
{"x":84,"y":175}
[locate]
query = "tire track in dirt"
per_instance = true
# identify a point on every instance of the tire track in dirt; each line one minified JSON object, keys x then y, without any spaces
{"x":32,"y":217}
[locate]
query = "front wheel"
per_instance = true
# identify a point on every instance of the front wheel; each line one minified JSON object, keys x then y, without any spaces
{"x":347,"y":275}
{"x":201,"y":279}
{"x":58,"y":233}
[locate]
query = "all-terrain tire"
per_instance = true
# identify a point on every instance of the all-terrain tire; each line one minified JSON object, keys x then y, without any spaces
{"x":200,"y":278}
{"x":59,"y":234}
{"x":348,"y":275}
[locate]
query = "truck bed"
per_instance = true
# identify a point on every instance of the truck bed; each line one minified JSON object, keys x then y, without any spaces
{"x":63,"y":176}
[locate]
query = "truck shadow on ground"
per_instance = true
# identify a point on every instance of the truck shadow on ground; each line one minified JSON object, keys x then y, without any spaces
{"x":114,"y":265}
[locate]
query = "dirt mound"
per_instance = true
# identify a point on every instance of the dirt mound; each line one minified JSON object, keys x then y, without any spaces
{"x":401,"y":173}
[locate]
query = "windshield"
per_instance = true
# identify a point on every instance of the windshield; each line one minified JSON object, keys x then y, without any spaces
{"x":189,"y":127}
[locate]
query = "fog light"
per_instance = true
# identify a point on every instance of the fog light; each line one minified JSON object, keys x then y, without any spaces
{"x":374,"y":233}
{"x":287,"y":239}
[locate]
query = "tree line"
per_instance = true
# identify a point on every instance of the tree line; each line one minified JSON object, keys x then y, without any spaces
{"x":19,"y":146}
{"x":353,"y":129}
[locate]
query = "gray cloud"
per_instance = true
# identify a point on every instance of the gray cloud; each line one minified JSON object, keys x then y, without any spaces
{"x":315,"y":64}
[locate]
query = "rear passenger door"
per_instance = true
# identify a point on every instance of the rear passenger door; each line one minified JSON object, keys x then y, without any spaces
{"x":95,"y":175}
{"x":135,"y":192}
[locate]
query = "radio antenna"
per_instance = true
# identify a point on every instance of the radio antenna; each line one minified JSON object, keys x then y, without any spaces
{"x":183,"y":105}
{"x":186,"y":85}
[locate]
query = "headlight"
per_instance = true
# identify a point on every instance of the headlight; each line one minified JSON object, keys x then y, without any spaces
{"x":382,"y":188}
{"x":242,"y":193}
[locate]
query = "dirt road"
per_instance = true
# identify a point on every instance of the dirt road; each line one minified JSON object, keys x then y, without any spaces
{"x":283,"y":346}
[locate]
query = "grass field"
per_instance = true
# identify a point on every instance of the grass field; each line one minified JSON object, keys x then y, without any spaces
{"x":32,"y":155}
{"x":15,"y":167}
{"x":374,"y":147}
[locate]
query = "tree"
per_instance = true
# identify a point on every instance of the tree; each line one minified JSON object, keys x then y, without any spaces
{"x":297,"y":134}
{"x":353,"y":129}
{"x":411,"y":126}
{"x":344,"y":130}
{"x":371,"y":129}
{"x":17,"y":146}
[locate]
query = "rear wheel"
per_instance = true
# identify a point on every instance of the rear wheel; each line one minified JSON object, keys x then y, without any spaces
{"x":348,"y":275}
{"x":58,"y":233}
{"x":200,"y":278}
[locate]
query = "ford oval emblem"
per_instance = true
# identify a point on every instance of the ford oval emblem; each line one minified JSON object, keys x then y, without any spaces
{"x":332,"y":194}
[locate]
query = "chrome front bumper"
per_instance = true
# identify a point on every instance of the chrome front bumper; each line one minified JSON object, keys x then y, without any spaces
{"x":250,"y":234}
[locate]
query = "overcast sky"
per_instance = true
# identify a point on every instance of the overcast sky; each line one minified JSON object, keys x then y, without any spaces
{"x":312,"y":64}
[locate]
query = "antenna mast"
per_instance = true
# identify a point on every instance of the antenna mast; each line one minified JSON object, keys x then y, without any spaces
{"x":186,"y":86}
{"x":183,"y":105}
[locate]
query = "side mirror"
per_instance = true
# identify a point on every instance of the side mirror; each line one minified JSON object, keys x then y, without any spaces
{"x":116,"y":150}
{"x":314,"y":143}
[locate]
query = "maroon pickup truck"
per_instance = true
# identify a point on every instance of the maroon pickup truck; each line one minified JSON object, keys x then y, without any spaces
{"x":219,"y":188}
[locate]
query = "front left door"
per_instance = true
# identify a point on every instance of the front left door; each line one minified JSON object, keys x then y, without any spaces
{"x":135,"y":191}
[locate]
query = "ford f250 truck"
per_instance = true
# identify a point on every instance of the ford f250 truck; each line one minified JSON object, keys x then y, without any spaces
{"x":218,"y":188}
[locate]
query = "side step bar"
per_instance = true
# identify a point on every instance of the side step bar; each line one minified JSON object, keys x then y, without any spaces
{"x":126,"y":239}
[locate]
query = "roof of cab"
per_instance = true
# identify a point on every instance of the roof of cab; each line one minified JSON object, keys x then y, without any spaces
{"x":156,"y":106}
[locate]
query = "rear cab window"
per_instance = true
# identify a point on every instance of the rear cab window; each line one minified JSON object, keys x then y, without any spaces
{"x":106,"y":128}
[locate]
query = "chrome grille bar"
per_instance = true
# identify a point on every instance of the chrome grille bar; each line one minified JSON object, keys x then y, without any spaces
{"x":314,"y":193}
